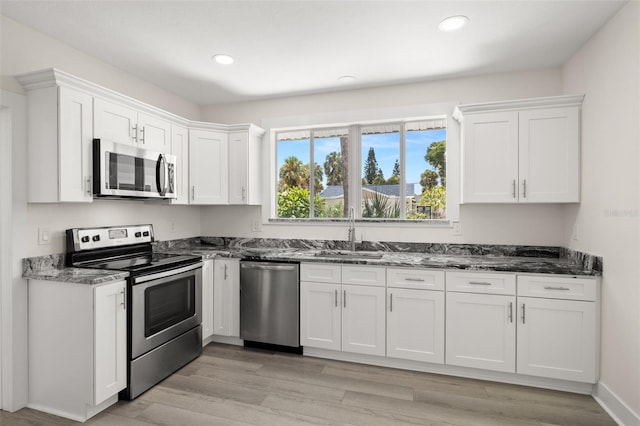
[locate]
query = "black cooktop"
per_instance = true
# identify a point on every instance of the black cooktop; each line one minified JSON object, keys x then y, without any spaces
{"x":143,"y":263}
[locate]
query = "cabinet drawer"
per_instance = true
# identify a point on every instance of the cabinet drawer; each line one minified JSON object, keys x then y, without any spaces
{"x":554,"y":287}
{"x":364,"y":275}
{"x":415,"y":278}
{"x":320,"y":273}
{"x":481,"y":282}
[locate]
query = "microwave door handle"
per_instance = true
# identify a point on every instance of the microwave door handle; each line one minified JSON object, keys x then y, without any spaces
{"x":162,"y":165}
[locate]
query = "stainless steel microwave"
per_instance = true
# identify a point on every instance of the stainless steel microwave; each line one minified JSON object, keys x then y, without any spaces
{"x":125,"y":171}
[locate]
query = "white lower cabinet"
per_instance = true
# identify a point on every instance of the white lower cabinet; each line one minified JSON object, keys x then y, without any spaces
{"x":363,"y":319}
{"x":226,"y":297}
{"x":320,"y":315}
{"x":207,"y":299}
{"x":481,"y":332}
{"x":415,"y":325}
{"x":557,"y":338}
{"x":77,"y":347}
{"x":340,"y":316}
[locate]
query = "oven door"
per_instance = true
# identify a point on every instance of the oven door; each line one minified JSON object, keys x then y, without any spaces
{"x":163,"y":306}
{"x":127,"y":171}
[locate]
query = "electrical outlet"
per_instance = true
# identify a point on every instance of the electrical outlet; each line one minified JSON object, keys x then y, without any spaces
{"x":256,"y":225}
{"x":457,"y":229}
{"x":575,"y":235}
{"x":44,"y":236}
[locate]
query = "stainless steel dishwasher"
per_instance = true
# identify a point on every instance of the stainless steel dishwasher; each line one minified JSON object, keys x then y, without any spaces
{"x":270,"y":303}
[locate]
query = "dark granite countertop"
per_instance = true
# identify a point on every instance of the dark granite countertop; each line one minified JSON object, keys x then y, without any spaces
{"x":472,"y":257}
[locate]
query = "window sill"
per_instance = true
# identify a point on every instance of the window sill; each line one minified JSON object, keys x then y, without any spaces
{"x":430,"y":223}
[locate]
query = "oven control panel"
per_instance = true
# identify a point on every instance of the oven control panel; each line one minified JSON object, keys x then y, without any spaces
{"x":112,"y":236}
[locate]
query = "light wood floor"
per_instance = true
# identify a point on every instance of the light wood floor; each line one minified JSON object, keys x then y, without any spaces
{"x":234,"y":386}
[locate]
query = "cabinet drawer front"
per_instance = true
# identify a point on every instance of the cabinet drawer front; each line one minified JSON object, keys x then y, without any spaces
{"x":364,"y":275}
{"x":320,"y":273}
{"x":480,"y":282}
{"x":554,"y":287}
{"x":415,"y":278}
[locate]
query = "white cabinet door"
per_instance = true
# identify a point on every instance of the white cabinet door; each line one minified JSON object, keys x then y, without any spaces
{"x":154,"y":133}
{"x":75,"y":117}
{"x":110,"y":337}
{"x":490,"y":158}
{"x":180,"y":148}
{"x":480,"y":331}
{"x":320,"y":309}
{"x":226,"y":297}
{"x":208,"y":167}
{"x":363,"y":319}
{"x":238,"y":170}
{"x":114,"y":122}
{"x":207,"y":298}
{"x":549,"y":155}
{"x":557,"y":339}
{"x":415,"y":325}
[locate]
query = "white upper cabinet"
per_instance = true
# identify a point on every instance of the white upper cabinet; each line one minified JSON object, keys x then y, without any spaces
{"x":120,"y":124}
{"x":208,"y":167}
{"x":60,"y":132}
{"x":521,"y":151}
{"x":245,"y":166}
{"x":180,"y":148}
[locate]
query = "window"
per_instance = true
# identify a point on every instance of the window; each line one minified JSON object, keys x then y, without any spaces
{"x":385,"y":170}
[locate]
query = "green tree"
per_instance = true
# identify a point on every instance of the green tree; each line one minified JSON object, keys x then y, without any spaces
{"x":436,"y":156}
{"x":293,"y":173}
{"x":428,"y":180}
{"x":295,"y":203}
{"x":435,"y":197}
{"x":333,"y":168}
{"x":393,"y":180}
{"x":317,"y":181}
{"x":371,"y":168}
{"x":379,"y":206}
{"x":396,"y":169}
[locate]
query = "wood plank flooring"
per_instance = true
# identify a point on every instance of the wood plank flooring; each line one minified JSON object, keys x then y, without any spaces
{"x":236,"y":386}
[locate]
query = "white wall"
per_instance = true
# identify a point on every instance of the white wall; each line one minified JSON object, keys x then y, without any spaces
{"x":527,"y":225}
{"x":607,"y":69}
{"x":24,"y":50}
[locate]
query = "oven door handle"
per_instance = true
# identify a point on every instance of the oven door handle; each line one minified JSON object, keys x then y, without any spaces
{"x":165,"y":274}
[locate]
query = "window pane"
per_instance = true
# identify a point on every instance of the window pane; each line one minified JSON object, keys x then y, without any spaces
{"x":426,"y":167}
{"x":331,"y":154}
{"x":381,"y":192}
{"x":292,"y":160}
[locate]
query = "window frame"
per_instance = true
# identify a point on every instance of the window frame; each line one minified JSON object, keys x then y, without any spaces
{"x":354,"y":120}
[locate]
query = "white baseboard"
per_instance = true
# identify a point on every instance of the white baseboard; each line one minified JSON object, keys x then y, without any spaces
{"x":615,"y":407}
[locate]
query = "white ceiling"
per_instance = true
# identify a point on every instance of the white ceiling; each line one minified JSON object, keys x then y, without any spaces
{"x":292,"y":47}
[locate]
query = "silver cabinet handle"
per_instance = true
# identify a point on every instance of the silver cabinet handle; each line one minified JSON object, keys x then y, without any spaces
{"x":123,"y":292}
{"x":479,"y":283}
{"x":87,"y":185}
{"x":524,"y":188}
{"x":548,"y":287}
{"x":420,"y":280}
{"x":513,"y":189}
{"x":135,"y":133}
{"x":141,"y":135}
{"x":510,"y":311}
{"x":344,"y":300}
{"x":336,"y":296}
{"x":226,"y":267}
{"x":193,"y":193}
{"x":244,"y":193}
{"x":523,"y":313}
{"x":391,"y":302}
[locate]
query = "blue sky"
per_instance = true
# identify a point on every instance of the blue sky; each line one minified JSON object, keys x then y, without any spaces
{"x":386,"y":146}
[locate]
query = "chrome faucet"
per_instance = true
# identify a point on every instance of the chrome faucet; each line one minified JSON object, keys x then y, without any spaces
{"x":352,"y":228}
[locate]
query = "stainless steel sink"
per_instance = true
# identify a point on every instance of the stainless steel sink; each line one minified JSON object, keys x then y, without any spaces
{"x":345,"y":254}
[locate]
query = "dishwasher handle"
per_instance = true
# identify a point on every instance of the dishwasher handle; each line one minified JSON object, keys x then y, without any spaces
{"x":268,"y":267}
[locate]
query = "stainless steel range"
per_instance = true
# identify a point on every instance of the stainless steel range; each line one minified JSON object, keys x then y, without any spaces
{"x":164,"y":300}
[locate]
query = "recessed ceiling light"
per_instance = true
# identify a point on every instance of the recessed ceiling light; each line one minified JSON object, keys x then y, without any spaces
{"x":223,"y":59}
{"x":345,"y":79}
{"x":453,"y":23}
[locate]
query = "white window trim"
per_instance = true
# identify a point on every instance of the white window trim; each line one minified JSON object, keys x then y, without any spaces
{"x":363,"y":117}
